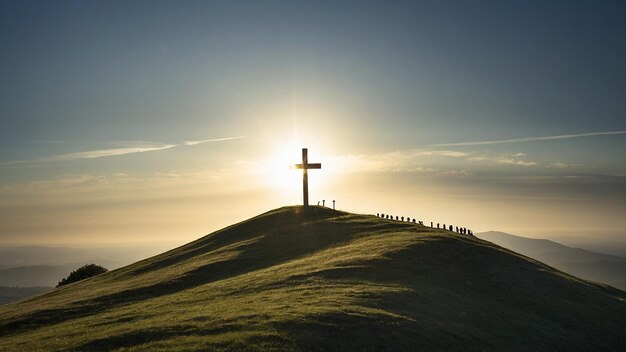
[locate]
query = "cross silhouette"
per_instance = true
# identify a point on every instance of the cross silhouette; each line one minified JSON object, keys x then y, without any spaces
{"x":305,"y":177}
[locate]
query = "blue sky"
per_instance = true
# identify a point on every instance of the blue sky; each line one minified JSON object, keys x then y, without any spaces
{"x":403,"y":92}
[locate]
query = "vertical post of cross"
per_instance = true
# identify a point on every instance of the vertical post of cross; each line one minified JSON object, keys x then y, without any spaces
{"x":305,"y":177}
{"x":305,"y":166}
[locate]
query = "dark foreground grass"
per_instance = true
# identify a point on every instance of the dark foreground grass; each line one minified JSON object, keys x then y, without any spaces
{"x":318,"y":280}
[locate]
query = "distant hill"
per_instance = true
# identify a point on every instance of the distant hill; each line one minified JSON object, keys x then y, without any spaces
{"x":26,"y":266}
{"x":112,"y":256}
{"x":582,"y":263}
{"x":24,"y":281}
{"x":36,"y":275}
{"x":318,"y":279}
{"x":11,"y":294}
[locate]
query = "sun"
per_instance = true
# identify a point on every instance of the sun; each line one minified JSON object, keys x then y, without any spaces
{"x":284,"y":179}
{"x":279,"y":174}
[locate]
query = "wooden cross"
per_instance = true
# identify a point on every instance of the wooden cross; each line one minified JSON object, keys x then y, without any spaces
{"x":305,"y":177}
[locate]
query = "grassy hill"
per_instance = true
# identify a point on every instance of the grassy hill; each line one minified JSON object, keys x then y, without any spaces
{"x":320,"y":279}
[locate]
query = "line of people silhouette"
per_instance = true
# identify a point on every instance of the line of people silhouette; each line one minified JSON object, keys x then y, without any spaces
{"x":461,"y":230}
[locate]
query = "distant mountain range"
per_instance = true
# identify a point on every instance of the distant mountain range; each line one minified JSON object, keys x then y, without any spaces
{"x":35,"y":275}
{"x":585,"y":264}
{"x":16,"y":256}
{"x":11,"y":294}
{"x":31,"y":270}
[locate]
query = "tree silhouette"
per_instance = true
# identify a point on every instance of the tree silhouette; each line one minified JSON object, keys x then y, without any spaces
{"x":84,"y":272}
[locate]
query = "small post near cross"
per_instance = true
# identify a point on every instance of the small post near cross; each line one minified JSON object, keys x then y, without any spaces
{"x":305,"y":177}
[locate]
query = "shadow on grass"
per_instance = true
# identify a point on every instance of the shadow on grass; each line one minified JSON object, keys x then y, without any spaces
{"x":256,"y":341}
{"x":285,"y":219}
{"x":202,"y":275}
{"x":463,"y":297}
{"x":343,"y":331}
{"x":290,"y":234}
{"x":138,"y":337}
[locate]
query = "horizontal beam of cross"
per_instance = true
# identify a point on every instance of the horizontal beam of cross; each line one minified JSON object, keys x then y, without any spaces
{"x":308,"y":166}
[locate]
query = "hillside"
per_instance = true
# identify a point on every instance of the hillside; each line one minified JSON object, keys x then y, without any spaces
{"x":321,"y":279}
{"x":585,"y":264}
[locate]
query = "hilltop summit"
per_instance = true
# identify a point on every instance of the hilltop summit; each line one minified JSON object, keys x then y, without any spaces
{"x":314,"y":278}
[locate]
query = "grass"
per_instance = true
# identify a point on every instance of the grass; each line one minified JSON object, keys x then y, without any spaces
{"x":320,"y":279}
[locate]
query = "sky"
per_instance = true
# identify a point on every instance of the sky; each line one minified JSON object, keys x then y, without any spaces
{"x":162,"y":121}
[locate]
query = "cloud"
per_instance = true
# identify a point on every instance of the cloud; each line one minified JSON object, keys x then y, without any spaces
{"x":512,"y":161}
{"x":91,"y":154}
{"x":529,"y":139}
{"x":478,"y":158}
{"x":213,"y":140}
{"x":409,"y":161}
{"x":560,"y":165}
{"x":132,"y":147}
{"x":504,"y":160}
{"x":450,"y":153}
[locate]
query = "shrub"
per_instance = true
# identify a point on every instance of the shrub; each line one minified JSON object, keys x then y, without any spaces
{"x":84,"y":272}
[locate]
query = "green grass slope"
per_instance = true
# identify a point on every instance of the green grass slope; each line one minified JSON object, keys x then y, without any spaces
{"x":320,"y":279}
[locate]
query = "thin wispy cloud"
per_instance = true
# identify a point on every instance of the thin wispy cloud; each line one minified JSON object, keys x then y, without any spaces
{"x":405,"y":161}
{"x":212,"y":140}
{"x":91,"y":154}
{"x":450,"y":153}
{"x":511,"y":161}
{"x":530,"y":139}
{"x":560,"y":165}
{"x":134,"y":147}
{"x":506,"y":160}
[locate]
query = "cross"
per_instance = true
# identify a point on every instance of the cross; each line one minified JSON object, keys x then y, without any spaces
{"x":305,"y":177}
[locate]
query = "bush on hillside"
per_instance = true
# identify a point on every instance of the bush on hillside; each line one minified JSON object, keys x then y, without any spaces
{"x":84,"y":272}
